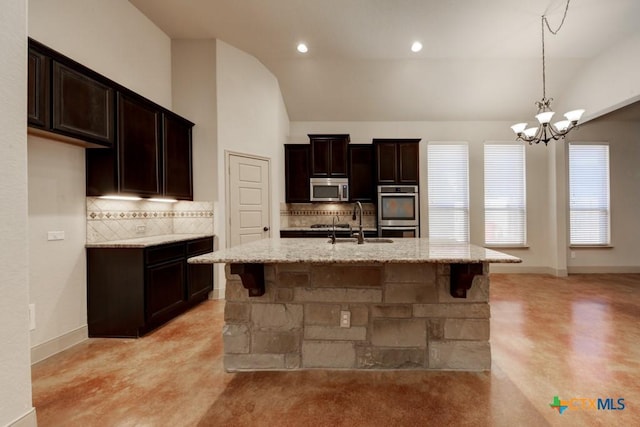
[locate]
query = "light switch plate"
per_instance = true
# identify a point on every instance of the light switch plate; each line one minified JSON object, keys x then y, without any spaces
{"x":55,"y":235}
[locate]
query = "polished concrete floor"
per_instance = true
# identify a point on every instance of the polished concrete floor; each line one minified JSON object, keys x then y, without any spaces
{"x":577,"y":338}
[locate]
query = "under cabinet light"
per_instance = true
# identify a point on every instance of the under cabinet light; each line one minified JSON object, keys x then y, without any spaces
{"x":118,"y":197}
{"x":157,"y":199}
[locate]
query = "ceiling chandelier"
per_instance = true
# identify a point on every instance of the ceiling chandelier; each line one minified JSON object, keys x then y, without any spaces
{"x":546,"y":132}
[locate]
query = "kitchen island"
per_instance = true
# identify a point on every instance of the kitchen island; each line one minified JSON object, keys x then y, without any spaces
{"x":405,"y":304}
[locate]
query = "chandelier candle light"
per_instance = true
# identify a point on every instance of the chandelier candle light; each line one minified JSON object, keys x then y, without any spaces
{"x":546,"y":132}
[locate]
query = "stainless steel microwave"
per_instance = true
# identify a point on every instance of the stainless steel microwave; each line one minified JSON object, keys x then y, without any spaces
{"x":329,"y":189}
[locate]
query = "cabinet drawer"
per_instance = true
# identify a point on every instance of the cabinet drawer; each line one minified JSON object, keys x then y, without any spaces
{"x":200,"y":246}
{"x":158,"y":254}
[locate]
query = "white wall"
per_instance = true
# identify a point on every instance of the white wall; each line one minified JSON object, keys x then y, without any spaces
{"x":109,"y":36}
{"x":15,"y":372}
{"x":252,"y":119}
{"x":194,"y":96}
{"x":547,"y":203}
{"x":115,"y":39}
{"x":607,"y":82}
{"x":57,"y":273}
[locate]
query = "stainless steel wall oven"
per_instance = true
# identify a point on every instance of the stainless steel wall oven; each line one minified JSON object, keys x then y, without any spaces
{"x":398,"y":211}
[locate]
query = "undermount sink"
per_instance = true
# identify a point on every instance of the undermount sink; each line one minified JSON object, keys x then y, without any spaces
{"x":369,"y":240}
{"x":378,"y":240}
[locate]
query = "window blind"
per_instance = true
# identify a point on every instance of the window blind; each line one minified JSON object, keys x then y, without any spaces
{"x":589,"y":204}
{"x":505,"y":210}
{"x":448,"y":178}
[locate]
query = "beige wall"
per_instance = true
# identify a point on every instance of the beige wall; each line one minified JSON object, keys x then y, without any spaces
{"x":624,"y":155}
{"x":608,"y":81}
{"x":252,"y":119}
{"x":15,"y":372}
{"x":547,"y":204}
{"x":194,"y":96}
{"x":116,"y":40}
{"x":111,"y":37}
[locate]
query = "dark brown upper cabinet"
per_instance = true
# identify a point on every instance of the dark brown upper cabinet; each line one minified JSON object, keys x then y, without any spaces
{"x":152,"y":156}
{"x":329,"y":156}
{"x":361,"y":173}
{"x":68,"y":101}
{"x":139,"y":146}
{"x":397,"y":161}
{"x":296,"y":173}
{"x":38,"y":89}
{"x":177,"y":156}
{"x":82,"y":105}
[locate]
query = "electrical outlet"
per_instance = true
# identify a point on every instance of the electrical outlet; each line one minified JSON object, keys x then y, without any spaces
{"x":573,"y":254}
{"x":345,"y":319}
{"x":140,"y":229}
{"x":55,"y":235}
{"x":32,"y":317}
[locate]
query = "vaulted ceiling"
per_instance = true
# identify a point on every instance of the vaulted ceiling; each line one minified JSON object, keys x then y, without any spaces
{"x":481,"y":58}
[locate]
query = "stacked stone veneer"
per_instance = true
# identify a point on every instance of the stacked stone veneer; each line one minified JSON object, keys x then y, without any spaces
{"x":402,"y":317}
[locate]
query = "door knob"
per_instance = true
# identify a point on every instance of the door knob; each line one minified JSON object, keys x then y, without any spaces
{"x":266,"y":228}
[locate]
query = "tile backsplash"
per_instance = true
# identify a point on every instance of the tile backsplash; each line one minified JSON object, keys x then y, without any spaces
{"x":305,"y":214}
{"x":109,"y":220}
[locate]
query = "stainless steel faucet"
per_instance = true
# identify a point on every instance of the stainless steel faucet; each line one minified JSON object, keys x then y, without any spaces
{"x":360,"y":233}
{"x":333,"y":234}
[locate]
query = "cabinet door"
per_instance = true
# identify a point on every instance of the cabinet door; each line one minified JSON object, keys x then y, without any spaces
{"x":165,"y":290}
{"x":82,"y":106}
{"x":386,"y":163}
{"x":408,"y":163}
{"x":339,"y":158}
{"x":177,"y":157}
{"x":296,"y":166}
{"x":320,"y":158}
{"x":329,"y":156}
{"x":38,"y":90}
{"x":361,"y":179}
{"x":138,"y":146}
{"x":199,"y":276}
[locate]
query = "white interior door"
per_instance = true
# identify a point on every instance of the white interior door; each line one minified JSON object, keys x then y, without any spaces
{"x":249,"y":212}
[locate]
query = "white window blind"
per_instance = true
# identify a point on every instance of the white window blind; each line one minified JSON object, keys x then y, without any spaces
{"x":505,"y":209}
{"x":589,"y":194}
{"x":448,"y":177}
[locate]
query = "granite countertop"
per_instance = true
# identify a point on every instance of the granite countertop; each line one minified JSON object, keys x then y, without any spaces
{"x":407,"y":250}
{"x":143,"y":242}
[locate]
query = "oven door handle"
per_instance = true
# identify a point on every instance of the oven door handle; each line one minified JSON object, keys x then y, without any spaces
{"x":385,"y":227}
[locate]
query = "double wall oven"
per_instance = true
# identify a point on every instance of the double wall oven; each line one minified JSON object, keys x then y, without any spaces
{"x":398,"y":211}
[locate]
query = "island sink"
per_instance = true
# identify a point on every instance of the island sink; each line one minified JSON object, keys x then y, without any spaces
{"x":355,"y":240}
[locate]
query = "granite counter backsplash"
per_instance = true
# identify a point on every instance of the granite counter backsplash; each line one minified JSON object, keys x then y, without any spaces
{"x":303,"y":215}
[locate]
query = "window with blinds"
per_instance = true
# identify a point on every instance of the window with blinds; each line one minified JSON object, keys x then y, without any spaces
{"x":589,"y":204}
{"x":448,"y":177}
{"x":505,"y":208}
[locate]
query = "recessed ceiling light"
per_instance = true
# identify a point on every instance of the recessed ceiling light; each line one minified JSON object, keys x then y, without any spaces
{"x":416,"y":47}
{"x":302,"y":48}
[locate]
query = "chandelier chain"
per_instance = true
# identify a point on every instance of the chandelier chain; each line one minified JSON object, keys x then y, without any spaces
{"x":554,"y":32}
{"x":544,"y":22}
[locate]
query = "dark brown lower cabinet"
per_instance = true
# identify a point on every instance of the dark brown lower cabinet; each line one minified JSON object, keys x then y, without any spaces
{"x":131,"y":291}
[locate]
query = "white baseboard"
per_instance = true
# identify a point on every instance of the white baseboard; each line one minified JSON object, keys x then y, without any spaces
{"x":217,"y":293}
{"x":27,"y":420}
{"x":58,"y":344}
{"x":605,"y":270}
{"x":517,"y":269}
